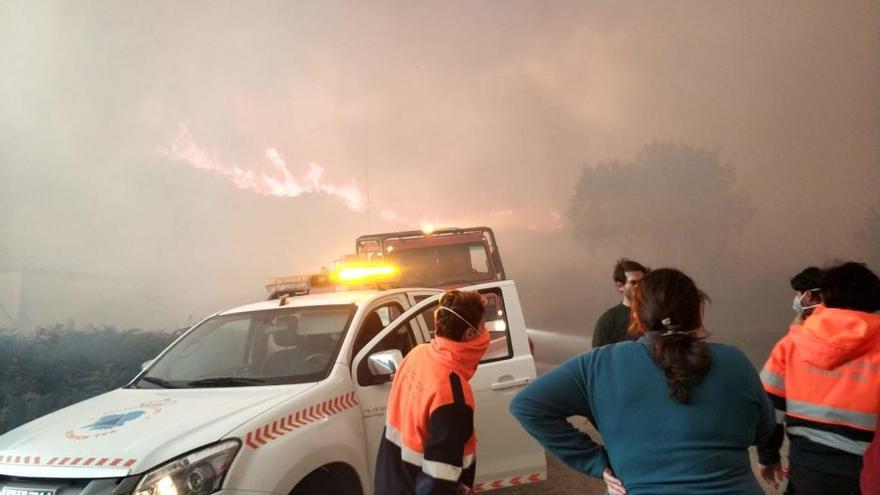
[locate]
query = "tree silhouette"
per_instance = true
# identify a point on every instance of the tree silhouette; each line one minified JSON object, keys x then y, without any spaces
{"x":676,"y":199}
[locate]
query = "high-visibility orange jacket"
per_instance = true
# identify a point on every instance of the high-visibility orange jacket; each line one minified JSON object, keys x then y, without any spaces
{"x":429,"y":443}
{"x":824,"y":375}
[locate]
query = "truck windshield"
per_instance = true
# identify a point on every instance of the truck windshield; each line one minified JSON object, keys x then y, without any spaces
{"x":285,"y":345}
{"x":435,"y":266}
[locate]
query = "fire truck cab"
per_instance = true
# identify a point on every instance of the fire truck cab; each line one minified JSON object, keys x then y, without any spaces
{"x":442,"y":258}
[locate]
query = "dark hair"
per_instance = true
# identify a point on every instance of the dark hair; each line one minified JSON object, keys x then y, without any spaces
{"x":624,"y":265}
{"x":851,"y":285}
{"x":468,"y":304}
{"x":669,"y":306}
{"x":806,"y":279}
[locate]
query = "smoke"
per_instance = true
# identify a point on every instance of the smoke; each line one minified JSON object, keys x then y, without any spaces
{"x":442,"y":113}
{"x":283,"y":184}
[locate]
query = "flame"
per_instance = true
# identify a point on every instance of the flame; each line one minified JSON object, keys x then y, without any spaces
{"x":283,"y":183}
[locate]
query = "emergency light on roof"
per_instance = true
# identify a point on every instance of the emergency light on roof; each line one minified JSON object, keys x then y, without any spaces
{"x":297,"y":285}
{"x":364,"y":273}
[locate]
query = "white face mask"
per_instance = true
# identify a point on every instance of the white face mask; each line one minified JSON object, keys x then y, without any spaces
{"x":470,"y":327}
{"x":798,"y":304}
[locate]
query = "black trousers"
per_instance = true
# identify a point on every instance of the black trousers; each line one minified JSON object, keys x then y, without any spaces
{"x":804,"y":481}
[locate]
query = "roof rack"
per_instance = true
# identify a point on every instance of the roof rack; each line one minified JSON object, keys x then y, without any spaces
{"x":297,"y":285}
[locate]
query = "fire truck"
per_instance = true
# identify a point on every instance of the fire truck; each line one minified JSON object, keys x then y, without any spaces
{"x":442,"y":258}
{"x":287,"y":396}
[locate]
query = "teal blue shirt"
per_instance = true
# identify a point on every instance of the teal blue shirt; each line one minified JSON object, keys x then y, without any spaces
{"x":653,"y":443}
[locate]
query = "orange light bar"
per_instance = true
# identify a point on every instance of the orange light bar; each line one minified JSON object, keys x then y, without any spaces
{"x":365,"y":273}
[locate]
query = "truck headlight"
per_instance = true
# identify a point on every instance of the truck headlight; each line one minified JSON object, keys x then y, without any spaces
{"x":197,"y":473}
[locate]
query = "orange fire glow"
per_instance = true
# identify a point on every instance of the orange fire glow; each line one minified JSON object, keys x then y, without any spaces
{"x":281,"y":182}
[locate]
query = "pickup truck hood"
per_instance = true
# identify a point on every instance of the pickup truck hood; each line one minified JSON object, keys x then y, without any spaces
{"x":128,"y":431}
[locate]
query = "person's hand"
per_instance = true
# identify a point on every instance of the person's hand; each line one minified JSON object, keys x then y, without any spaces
{"x":614,"y":485}
{"x":465,"y":490}
{"x":773,"y":474}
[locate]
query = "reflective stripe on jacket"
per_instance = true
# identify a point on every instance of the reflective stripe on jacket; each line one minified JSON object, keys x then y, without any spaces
{"x":428,"y":445}
{"x":824,"y":379}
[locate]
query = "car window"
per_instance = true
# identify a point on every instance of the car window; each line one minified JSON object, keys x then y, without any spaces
{"x":496,"y":324}
{"x":479,"y":258}
{"x":499,"y":331}
{"x":389,"y":312}
{"x":220,"y":346}
{"x":285,"y":345}
{"x":374,"y":321}
{"x":402,"y":338}
{"x":433,"y":266}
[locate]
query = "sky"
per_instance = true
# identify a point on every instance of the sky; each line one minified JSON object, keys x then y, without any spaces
{"x":159,"y":160}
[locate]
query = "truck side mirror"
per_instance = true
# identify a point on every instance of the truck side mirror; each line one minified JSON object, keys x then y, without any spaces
{"x":385,"y":363}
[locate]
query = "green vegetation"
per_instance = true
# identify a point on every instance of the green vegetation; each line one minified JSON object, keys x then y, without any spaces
{"x":56,"y":367}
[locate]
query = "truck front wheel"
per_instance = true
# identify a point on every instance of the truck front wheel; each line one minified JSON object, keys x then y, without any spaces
{"x":331,"y":479}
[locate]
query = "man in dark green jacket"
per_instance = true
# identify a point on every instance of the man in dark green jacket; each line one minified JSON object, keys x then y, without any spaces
{"x":612,"y":326}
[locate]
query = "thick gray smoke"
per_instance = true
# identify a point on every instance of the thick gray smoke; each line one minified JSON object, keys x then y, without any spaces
{"x":443,"y":112}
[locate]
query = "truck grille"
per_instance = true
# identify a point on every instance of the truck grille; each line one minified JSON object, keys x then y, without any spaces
{"x":10,"y":485}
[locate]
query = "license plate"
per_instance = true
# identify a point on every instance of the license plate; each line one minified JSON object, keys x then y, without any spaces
{"x":13,"y":490}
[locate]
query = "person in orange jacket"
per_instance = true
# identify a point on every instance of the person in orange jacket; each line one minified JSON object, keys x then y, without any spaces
{"x":429,"y":444}
{"x":807,"y":295}
{"x":824,"y":377}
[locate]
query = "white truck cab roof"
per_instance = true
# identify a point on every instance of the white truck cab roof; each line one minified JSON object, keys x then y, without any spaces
{"x":330,"y":298}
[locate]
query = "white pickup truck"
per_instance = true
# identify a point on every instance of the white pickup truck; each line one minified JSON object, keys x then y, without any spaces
{"x":280,"y":397}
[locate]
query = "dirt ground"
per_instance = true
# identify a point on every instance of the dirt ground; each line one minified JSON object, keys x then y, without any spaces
{"x":562,"y":480}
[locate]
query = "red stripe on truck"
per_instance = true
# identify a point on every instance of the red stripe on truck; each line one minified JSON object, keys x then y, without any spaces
{"x":278,"y":427}
{"x":506,"y":482}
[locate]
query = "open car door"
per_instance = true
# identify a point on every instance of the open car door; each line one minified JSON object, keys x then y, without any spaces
{"x":506,"y":454}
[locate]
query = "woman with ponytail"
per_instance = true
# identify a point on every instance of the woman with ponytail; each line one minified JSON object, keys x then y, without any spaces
{"x":677,"y":414}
